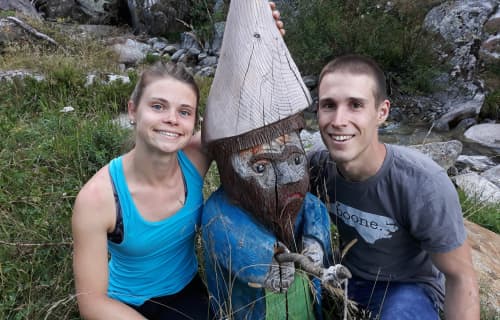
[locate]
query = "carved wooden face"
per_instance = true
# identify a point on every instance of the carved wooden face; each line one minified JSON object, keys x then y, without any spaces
{"x":272,"y":180}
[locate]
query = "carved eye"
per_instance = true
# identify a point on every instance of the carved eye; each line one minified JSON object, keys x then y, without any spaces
{"x":259,"y":167}
{"x":297,"y":160}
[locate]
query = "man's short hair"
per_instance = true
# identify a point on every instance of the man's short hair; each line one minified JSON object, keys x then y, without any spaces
{"x":358,"y":64}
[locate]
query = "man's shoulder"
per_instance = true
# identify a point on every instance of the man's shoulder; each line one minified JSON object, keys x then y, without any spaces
{"x":414,"y":161}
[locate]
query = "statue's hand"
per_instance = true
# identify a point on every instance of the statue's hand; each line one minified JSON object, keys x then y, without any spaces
{"x":336,"y":274}
{"x":280,"y":276}
{"x":313,"y":250}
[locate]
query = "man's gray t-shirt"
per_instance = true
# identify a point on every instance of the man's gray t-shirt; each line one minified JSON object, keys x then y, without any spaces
{"x":407,"y":210}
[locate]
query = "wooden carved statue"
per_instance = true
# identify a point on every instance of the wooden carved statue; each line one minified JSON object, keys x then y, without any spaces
{"x":263,"y":209}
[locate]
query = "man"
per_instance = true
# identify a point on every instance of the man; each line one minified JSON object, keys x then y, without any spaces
{"x":399,"y":205}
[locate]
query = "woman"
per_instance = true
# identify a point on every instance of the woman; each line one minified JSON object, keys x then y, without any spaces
{"x":143,"y":207}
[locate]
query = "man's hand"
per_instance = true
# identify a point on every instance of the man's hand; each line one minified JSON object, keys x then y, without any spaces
{"x":280,"y":276}
{"x":276,"y":16}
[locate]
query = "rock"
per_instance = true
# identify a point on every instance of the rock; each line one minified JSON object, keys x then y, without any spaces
{"x":476,"y":163}
{"x":460,"y":23}
{"x":178,"y":54}
{"x":217,"y":38}
{"x":467,"y":109}
{"x":189,"y":41}
{"x":487,"y":134}
{"x":9,"y":75}
{"x":493,"y":175}
{"x":23,"y":6}
{"x":171,"y":49}
{"x":466,"y":123}
{"x":312,"y":141}
{"x":478,"y":188}
{"x":165,"y":16}
{"x":11,"y":32}
{"x":443,"y":153}
{"x":206,"y":72}
{"x":208,"y":61}
{"x":310,"y":81}
{"x":131,"y":52}
{"x":486,"y":260}
{"x":490,"y":49}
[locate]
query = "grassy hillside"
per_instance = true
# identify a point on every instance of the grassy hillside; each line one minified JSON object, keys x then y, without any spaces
{"x":47,"y":155}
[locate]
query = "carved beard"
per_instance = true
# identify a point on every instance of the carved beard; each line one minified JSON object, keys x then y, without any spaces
{"x":276,"y":209}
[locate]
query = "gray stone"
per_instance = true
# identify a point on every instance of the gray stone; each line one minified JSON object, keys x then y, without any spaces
{"x":23,"y":6}
{"x":208,"y":61}
{"x":478,"y":188}
{"x":486,"y":134}
{"x":177,"y":55}
{"x":443,"y":153}
{"x":131,"y":52}
{"x":9,"y":75}
{"x":312,"y":141}
{"x":217,"y":38}
{"x":467,"y":109}
{"x":310,"y":81}
{"x":493,"y":175}
{"x":476,"y":163}
{"x":171,"y":49}
{"x":206,"y":72}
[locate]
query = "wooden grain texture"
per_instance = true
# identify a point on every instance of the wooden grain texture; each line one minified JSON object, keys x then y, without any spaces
{"x":256,"y":83}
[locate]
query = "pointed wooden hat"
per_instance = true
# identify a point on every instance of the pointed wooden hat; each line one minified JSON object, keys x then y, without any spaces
{"x":257,"y":93}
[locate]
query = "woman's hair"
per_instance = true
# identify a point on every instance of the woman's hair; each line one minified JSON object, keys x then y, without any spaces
{"x":165,"y":70}
{"x":358,"y":64}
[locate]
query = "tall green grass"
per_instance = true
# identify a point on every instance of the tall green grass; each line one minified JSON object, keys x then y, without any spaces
{"x":47,"y":155}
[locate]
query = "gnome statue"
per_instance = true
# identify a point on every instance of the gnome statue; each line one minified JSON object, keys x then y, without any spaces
{"x":262,"y":209}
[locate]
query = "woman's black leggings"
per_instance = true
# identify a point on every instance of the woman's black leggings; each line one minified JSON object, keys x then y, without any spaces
{"x":190,"y":303}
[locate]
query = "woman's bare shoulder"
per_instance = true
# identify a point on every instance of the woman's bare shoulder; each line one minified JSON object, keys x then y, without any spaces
{"x":95,"y":201}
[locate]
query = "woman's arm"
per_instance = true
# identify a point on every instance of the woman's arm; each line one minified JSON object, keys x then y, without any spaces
{"x":93,"y":216}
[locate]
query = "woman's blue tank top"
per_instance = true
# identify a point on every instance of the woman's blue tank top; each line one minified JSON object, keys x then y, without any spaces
{"x":155,"y":258}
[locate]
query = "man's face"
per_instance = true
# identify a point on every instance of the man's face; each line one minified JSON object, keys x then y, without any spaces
{"x":274,"y":180}
{"x":349,"y":117}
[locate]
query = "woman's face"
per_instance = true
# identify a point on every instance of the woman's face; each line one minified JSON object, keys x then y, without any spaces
{"x":165,"y":116}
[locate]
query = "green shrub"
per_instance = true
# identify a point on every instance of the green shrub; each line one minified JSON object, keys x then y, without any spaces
{"x":491,"y":106}
{"x":325,"y":29}
{"x":484,"y":214}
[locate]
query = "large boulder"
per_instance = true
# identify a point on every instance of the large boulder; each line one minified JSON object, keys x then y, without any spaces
{"x":443,"y":153}
{"x":493,"y":175}
{"x":486,"y":134}
{"x":486,"y":259}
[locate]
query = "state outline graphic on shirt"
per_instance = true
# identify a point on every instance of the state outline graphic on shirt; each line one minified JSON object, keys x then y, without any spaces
{"x":371,"y":227}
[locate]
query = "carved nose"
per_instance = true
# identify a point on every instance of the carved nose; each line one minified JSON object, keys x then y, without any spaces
{"x":286,"y":174}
